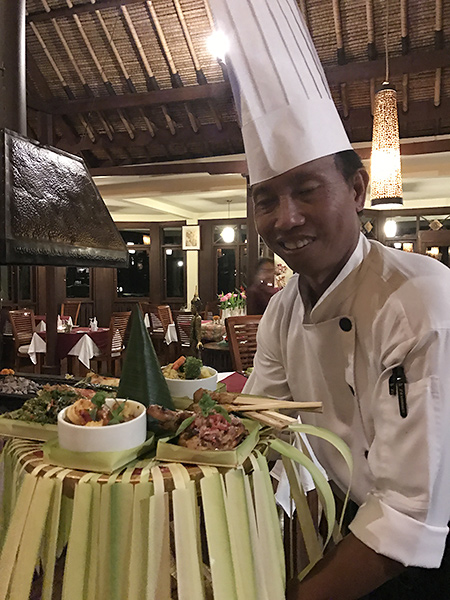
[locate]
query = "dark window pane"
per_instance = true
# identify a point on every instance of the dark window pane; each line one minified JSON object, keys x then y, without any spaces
{"x":406,"y":226}
{"x":77,"y":282}
{"x":171,"y":236}
{"x":243,"y":234}
{"x":174,"y":269}
{"x":24,"y":274}
{"x":135,"y":237}
{"x":134,"y":281}
{"x":5,"y":282}
{"x":226,"y":270}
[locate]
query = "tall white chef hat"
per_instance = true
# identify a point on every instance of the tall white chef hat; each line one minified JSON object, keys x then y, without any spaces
{"x":288,"y":116}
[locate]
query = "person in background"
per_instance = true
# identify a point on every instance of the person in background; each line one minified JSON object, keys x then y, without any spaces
{"x":262,"y":288}
{"x":360,"y":327}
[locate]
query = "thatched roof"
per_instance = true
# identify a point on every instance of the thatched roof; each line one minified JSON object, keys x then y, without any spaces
{"x":131,"y":82}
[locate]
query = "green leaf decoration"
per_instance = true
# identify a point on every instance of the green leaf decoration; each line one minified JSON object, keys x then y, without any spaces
{"x":99,"y":399}
{"x":142,"y":379}
{"x":184,"y":425}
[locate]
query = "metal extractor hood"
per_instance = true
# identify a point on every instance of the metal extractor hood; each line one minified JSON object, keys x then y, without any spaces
{"x":51,"y":212}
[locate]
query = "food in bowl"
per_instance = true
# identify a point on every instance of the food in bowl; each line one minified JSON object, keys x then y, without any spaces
{"x":114,"y":437}
{"x":187,"y":368}
{"x":96,"y":412}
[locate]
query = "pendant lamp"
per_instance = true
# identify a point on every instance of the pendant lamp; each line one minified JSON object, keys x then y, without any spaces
{"x":385,"y":167}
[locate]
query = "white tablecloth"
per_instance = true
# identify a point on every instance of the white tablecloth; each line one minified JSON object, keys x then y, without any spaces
{"x":84,"y":349}
{"x":171,"y":334}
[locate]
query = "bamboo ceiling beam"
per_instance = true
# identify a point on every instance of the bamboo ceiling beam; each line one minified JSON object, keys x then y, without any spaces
{"x":404,"y":26}
{"x":201,"y":79}
{"x":107,"y":127}
{"x":174,"y":74}
{"x":339,"y":37}
{"x":150,"y":126}
{"x":152,"y":84}
{"x":438,"y":43}
{"x":101,"y":71}
{"x":371,"y":48}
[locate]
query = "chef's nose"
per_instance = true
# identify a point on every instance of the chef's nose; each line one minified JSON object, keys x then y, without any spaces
{"x":290,"y":213}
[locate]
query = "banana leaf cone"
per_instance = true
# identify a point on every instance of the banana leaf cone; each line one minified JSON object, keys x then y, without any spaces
{"x":142,"y":379}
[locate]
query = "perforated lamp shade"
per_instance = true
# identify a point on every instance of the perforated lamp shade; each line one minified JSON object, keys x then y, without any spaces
{"x":385,"y":168}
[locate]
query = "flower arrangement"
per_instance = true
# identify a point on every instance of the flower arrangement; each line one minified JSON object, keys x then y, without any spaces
{"x":232,"y":300}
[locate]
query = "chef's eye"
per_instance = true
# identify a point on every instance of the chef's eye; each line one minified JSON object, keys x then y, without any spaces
{"x":264,"y":203}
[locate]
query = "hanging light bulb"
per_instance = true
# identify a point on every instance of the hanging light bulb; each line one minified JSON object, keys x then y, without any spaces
{"x":385,"y":167}
{"x":390,"y":228}
{"x":227,"y":233}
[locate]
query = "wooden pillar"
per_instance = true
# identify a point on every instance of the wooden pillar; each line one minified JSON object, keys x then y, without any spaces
{"x":13,"y":108}
{"x":252,"y":238}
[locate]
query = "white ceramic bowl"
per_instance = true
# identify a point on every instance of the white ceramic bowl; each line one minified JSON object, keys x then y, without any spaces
{"x":180,"y":388}
{"x":110,"y":438}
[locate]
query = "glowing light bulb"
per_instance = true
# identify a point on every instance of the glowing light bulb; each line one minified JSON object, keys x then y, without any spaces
{"x":228,"y":235}
{"x":218,"y":45}
{"x":390,"y":228}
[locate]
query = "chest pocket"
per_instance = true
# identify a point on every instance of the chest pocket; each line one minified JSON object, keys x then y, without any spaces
{"x":330,"y":352}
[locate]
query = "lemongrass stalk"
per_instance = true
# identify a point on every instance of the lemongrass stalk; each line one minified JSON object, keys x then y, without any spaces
{"x":218,"y":539}
{"x":158,"y":587}
{"x":239,"y":528}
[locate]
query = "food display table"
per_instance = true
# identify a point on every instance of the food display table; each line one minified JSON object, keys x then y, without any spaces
{"x":80,"y":342}
{"x":150,"y":531}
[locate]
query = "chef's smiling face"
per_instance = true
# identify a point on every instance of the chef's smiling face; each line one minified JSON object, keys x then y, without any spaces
{"x":308,"y":216}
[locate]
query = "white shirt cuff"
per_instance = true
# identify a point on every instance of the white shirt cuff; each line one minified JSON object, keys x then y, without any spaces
{"x":398,"y":536}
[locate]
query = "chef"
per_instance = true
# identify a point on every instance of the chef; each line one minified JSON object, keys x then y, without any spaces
{"x":363,"y":328}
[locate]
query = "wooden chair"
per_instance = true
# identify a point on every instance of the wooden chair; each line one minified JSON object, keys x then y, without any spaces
{"x":23,"y":327}
{"x":241,"y":333}
{"x":71,"y":309}
{"x":117,"y":328}
{"x":165,"y":316}
{"x":183,"y":323}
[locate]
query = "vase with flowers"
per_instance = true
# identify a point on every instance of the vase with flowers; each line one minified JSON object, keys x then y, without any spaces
{"x":232,"y":304}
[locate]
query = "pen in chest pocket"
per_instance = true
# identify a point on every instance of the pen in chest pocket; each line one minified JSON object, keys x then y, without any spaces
{"x":397,"y":387}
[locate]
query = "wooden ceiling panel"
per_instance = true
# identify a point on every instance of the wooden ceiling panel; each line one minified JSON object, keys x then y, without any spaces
{"x":132,"y":70}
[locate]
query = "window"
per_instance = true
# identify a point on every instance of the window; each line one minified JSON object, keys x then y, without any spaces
{"x":174,"y":263}
{"x":77,"y":282}
{"x":134,"y":282}
{"x":231,"y":256}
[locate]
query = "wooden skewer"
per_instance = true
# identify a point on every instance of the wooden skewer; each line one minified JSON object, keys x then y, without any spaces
{"x":259,"y":402}
{"x":265,"y":419}
{"x":279,"y":405}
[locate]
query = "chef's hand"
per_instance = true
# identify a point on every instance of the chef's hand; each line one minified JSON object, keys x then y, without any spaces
{"x":351,"y":570}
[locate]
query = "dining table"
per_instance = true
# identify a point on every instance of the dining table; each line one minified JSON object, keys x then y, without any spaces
{"x":80,"y":342}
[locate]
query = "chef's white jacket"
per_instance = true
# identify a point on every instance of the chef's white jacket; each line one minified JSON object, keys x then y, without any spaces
{"x":386,"y":308}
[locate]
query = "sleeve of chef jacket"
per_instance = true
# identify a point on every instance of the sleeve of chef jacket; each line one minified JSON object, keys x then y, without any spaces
{"x":405,"y":516}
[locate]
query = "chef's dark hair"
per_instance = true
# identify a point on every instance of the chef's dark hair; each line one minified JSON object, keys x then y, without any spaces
{"x":347,"y":162}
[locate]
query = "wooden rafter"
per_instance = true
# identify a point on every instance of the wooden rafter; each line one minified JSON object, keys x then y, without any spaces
{"x":212,"y":168}
{"x":415,"y":62}
{"x":208,"y":134}
{"x":70,"y":11}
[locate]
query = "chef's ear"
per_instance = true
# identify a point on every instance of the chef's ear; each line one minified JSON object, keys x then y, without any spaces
{"x":359,"y":185}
